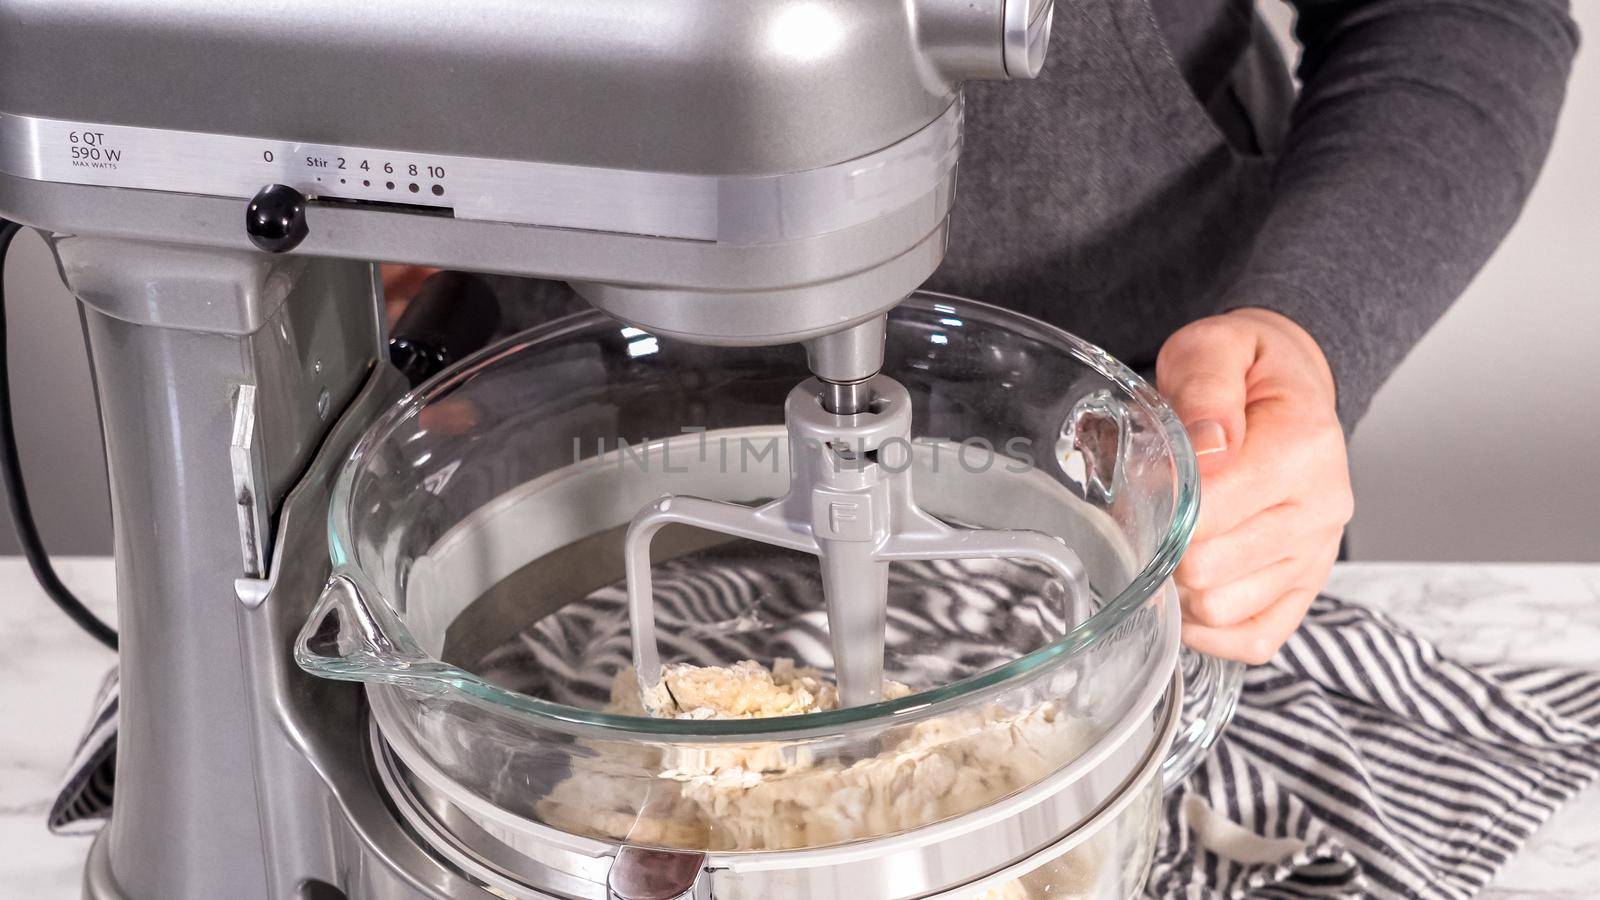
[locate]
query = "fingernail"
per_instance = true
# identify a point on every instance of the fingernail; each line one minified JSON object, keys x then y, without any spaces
{"x":1208,"y":436}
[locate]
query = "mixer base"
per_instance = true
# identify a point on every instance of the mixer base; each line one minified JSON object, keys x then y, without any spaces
{"x":98,"y":883}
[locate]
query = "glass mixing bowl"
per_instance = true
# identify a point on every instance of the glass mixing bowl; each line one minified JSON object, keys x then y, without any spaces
{"x":476,"y":533}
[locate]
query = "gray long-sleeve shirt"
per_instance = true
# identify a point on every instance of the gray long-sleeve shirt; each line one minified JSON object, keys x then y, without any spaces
{"x":1419,"y":133}
{"x":1104,"y":201}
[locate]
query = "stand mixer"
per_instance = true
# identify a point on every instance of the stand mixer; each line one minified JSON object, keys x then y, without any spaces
{"x":216,"y":183}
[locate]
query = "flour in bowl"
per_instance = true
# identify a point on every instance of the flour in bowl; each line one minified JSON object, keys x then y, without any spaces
{"x":783,"y":795}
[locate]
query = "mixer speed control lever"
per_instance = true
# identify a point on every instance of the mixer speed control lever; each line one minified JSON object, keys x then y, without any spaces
{"x":275,"y":220}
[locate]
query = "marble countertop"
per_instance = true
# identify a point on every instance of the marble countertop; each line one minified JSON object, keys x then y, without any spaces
{"x":1478,"y":613}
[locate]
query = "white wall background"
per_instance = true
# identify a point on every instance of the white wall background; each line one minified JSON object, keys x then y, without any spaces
{"x":52,"y":400}
{"x":1484,"y":446}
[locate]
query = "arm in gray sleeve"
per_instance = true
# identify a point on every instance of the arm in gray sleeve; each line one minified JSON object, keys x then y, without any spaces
{"x":1419,"y":131}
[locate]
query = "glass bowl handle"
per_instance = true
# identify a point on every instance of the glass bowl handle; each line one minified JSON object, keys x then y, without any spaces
{"x":1211,"y":689}
{"x":1098,"y":430}
{"x":351,"y":638}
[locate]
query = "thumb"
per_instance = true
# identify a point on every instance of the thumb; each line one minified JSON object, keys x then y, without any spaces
{"x":1202,"y":370}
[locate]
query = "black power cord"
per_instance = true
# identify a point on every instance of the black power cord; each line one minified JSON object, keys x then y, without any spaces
{"x":16,"y":493}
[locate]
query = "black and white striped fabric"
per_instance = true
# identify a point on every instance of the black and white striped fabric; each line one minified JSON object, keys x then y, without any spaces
{"x":83,"y":802}
{"x":947,"y":619}
{"x":1360,"y":763}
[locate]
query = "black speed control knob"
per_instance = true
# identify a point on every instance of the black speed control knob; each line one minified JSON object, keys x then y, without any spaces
{"x":276,"y":218}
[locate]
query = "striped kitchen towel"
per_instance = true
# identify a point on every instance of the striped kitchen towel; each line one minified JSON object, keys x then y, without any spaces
{"x":1360,"y":763}
{"x":83,"y":801}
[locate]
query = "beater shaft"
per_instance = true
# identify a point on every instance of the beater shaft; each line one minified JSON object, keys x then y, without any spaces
{"x":845,"y":398}
{"x":855,"y":585}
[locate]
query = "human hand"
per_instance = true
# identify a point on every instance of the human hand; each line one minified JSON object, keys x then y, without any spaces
{"x":400,"y":285}
{"x":1257,"y":397}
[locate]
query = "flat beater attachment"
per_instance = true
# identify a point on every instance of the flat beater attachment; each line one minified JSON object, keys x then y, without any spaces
{"x":850,"y":504}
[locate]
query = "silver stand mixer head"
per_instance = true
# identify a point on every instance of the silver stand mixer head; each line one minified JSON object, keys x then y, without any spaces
{"x":731,"y":174}
{"x":850,"y":504}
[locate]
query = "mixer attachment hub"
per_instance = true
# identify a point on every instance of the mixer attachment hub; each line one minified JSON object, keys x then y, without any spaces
{"x":850,"y":503}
